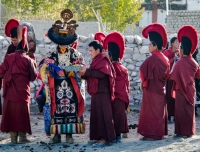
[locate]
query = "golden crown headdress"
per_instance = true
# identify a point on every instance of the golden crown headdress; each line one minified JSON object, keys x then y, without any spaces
{"x":68,"y":26}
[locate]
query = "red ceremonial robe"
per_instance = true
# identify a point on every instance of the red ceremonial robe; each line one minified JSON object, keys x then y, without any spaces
{"x":153,"y":114}
{"x":170,"y":100}
{"x":17,"y":70}
{"x":100,"y":85}
{"x":121,"y":101}
{"x":184,"y":73}
{"x":11,"y":49}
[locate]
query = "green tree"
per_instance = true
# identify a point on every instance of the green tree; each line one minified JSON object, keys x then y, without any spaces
{"x":82,"y":9}
{"x":119,"y":14}
{"x":116,"y":14}
{"x":34,"y":9}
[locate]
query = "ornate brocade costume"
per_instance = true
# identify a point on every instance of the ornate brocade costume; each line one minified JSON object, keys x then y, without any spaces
{"x":65,"y":92}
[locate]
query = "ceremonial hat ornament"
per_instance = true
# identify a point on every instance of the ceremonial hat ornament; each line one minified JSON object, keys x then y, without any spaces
{"x":63,"y":32}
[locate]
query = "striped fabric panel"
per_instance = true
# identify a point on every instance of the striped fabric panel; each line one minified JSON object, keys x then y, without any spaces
{"x":78,"y":128}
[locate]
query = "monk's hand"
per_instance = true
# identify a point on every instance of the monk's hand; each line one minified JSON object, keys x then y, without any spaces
{"x":141,"y":86}
{"x":82,"y":71}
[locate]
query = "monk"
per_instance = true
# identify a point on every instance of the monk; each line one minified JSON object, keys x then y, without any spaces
{"x":10,"y":31}
{"x":115,"y":44}
{"x":154,"y":72}
{"x":100,"y":85}
{"x":197,"y":84}
{"x":172,"y":54}
{"x":184,"y":74}
{"x":17,"y":70}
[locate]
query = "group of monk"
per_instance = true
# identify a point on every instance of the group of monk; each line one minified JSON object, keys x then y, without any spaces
{"x":167,"y":83}
{"x":108,"y":85}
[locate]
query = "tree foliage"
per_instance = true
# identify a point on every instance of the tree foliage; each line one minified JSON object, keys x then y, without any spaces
{"x":116,"y":14}
{"x":82,"y":9}
{"x":34,"y":9}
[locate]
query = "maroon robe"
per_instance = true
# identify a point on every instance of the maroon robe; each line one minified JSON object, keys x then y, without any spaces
{"x":121,"y":102}
{"x":17,"y":70}
{"x":184,"y":73}
{"x":170,"y":100}
{"x":153,"y":114}
{"x":100,"y":82}
{"x":11,"y":49}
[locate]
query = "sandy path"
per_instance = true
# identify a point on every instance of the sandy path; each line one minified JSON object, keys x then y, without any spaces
{"x":130,"y":144}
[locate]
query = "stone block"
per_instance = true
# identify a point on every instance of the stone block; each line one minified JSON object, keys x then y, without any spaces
{"x":91,"y":37}
{"x":138,"y":80}
{"x":32,"y":85}
{"x":130,"y":78}
{"x":130,"y":45}
{"x":133,"y":83}
{"x":5,"y":43}
{"x":133,"y":92}
{"x":138,"y":64}
{"x":137,"y":40}
{"x":144,"y":49}
{"x":129,"y":39}
{"x":130,"y":67}
{"x":136,"y":88}
{"x":47,"y":46}
{"x":126,"y":56}
{"x":137,"y":97}
{"x":136,"y":50}
{"x":134,"y":73}
{"x":135,"y":78}
{"x":129,"y":60}
{"x":82,"y":38}
{"x":139,"y":57}
{"x":41,"y":46}
{"x":47,"y":40}
{"x":124,"y":64}
{"x":145,"y":42}
{"x":137,"y":68}
{"x":44,"y":51}
{"x":129,"y":50}
{"x":53,"y":46}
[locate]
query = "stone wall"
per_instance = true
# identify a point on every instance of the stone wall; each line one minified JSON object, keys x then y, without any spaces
{"x":85,"y":28}
{"x":176,"y":19}
{"x":2,"y":32}
{"x":136,"y":53}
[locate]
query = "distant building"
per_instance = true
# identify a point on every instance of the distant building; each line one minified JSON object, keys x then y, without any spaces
{"x":155,"y":11}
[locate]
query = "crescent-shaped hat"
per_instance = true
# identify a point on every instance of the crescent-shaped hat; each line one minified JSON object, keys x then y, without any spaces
{"x":188,"y":36}
{"x":156,"y":33}
{"x":115,"y":38}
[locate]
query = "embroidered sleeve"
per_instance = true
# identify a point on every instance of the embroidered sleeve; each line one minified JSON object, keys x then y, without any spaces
{"x":77,"y":57}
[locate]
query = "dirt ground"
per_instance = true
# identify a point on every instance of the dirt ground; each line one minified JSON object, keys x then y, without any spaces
{"x":130,"y":144}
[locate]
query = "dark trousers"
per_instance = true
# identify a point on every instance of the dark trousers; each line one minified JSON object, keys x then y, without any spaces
{"x":41,"y":102}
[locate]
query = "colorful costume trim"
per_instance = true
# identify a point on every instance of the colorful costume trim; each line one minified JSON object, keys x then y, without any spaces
{"x":78,"y":128}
